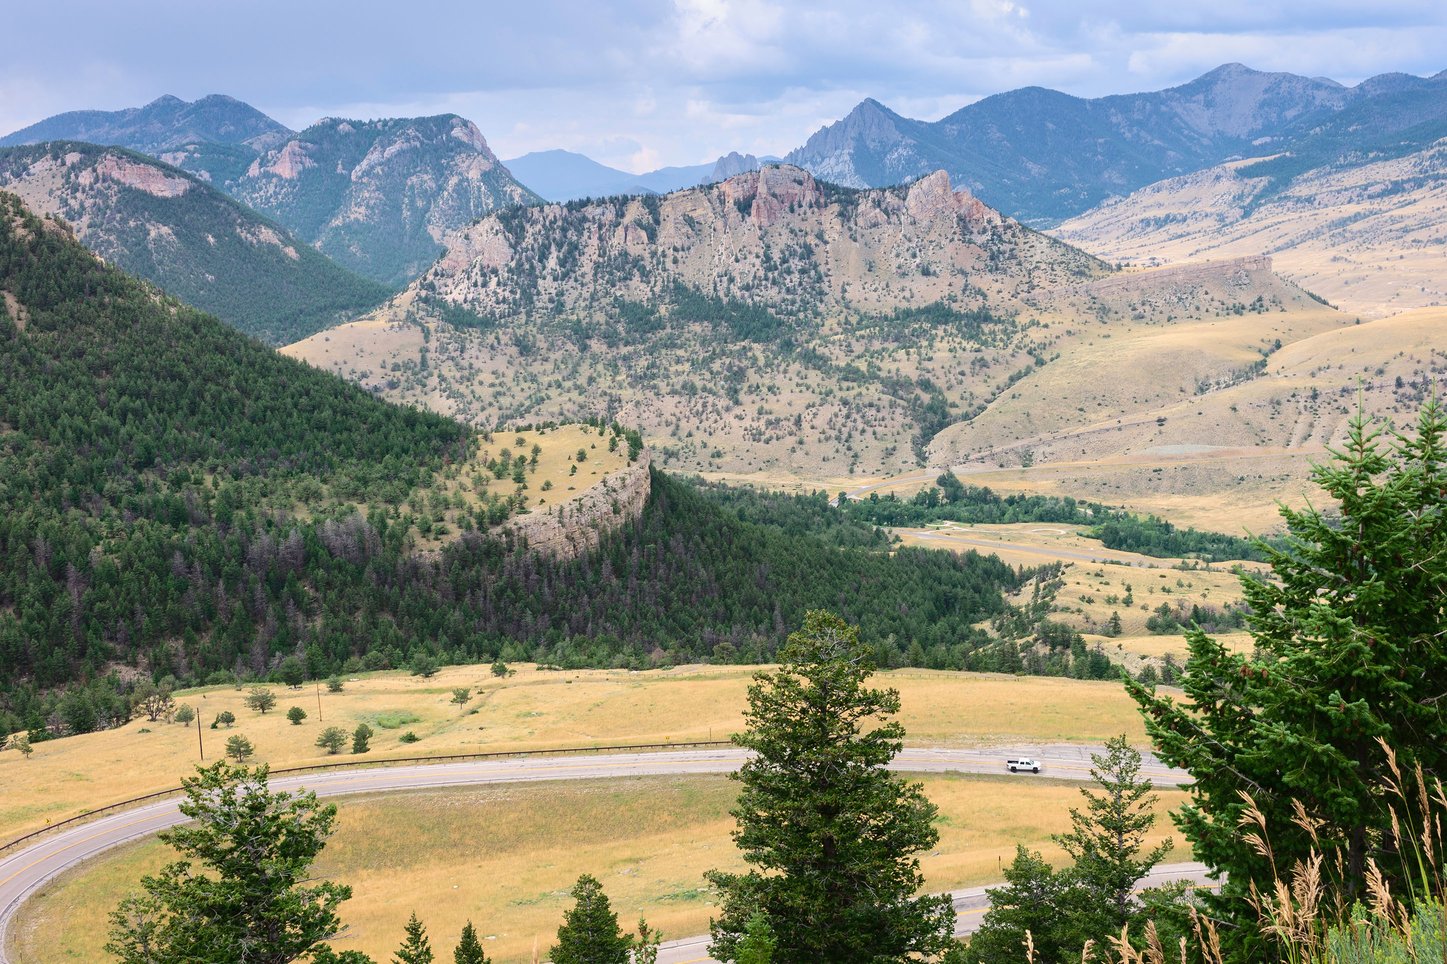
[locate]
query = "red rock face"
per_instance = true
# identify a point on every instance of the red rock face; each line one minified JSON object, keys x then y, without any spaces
{"x":931,"y":197}
{"x":142,"y":177}
{"x":772,"y":191}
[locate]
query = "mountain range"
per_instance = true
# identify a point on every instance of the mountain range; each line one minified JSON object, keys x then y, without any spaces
{"x":1043,"y":156}
{"x":375,"y":196}
{"x":378,"y":196}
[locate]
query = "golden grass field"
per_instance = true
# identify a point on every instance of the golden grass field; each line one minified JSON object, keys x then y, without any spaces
{"x":530,"y":710}
{"x":504,"y":857}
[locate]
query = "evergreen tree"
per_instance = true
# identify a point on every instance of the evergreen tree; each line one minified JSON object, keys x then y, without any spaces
{"x":590,"y":933}
{"x":756,"y":946}
{"x":1348,"y":653}
{"x":645,"y":947}
{"x":361,"y":738}
{"x":469,"y":948}
{"x":253,"y":902}
{"x":1038,"y":900}
{"x":260,"y":699}
{"x":415,"y":949}
{"x":325,"y":955}
{"x":296,"y":714}
{"x":239,"y":748}
{"x":832,"y":834}
{"x":1106,"y":841}
{"x":292,"y":672}
{"x":332,"y":739}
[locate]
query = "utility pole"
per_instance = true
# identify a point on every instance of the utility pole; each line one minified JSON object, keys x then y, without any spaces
{"x":319,"y":701}
{"x":199,"y":745}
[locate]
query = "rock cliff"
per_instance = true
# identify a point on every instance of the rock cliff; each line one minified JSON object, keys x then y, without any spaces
{"x":571,"y":528}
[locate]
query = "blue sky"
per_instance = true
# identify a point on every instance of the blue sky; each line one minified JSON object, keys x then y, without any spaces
{"x":650,"y":82}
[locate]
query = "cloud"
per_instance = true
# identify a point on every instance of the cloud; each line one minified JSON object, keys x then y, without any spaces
{"x":673,"y":81}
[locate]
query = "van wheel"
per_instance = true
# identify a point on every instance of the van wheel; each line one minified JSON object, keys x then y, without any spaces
{"x":1012,"y":769}
{"x":1036,"y":770}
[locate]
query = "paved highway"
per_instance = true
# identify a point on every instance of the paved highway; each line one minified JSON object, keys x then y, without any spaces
{"x":26,"y":870}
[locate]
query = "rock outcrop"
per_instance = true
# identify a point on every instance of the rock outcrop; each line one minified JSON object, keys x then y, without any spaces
{"x":571,"y":528}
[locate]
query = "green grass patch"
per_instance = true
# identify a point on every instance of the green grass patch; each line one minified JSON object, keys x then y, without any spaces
{"x":394,"y":719}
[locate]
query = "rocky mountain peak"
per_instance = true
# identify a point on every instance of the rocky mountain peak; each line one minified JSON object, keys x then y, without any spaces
{"x":466,"y":131}
{"x":733,"y":163}
{"x":393,"y":187}
{"x":932,"y":197}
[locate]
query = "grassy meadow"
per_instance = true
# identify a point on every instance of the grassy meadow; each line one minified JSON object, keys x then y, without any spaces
{"x":532,"y":709}
{"x":504,"y":857}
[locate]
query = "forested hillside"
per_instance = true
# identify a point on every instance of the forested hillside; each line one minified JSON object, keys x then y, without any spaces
{"x":171,"y":228}
{"x":177,"y":499}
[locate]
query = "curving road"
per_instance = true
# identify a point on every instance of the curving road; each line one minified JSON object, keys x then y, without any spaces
{"x":25,"y":871}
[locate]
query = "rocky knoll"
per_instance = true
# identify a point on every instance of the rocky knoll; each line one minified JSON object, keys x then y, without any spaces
{"x":776,"y":237}
{"x":569,"y":529}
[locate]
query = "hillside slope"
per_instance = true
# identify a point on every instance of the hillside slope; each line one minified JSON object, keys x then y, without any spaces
{"x":256,"y":509}
{"x":1130,"y":420}
{"x":378,"y":196}
{"x":168,"y":227}
{"x":1364,"y":234}
{"x":768,"y":323}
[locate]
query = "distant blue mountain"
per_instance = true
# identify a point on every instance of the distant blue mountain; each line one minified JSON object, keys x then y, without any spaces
{"x":1041,"y":156}
{"x":567,"y":176}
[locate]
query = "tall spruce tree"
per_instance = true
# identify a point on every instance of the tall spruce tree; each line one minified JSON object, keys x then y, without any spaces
{"x":1107,"y":839}
{"x":469,"y":948}
{"x":416,"y":948}
{"x":1349,"y":652}
{"x":832,"y":835}
{"x":590,"y":933}
{"x":254,"y":902}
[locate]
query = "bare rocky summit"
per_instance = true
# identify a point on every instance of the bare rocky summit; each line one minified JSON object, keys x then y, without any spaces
{"x":378,"y":196}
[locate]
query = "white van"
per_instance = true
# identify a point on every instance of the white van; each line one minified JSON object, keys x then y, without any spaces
{"x":1023,"y":763}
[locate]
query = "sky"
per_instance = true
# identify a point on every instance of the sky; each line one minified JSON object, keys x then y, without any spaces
{"x":646,"y":83}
